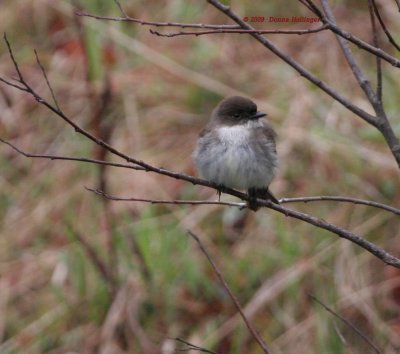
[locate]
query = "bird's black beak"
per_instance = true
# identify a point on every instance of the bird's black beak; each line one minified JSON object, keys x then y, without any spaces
{"x":258,"y":115}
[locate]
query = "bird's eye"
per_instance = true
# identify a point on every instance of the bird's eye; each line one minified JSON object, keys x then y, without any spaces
{"x":236,"y":115}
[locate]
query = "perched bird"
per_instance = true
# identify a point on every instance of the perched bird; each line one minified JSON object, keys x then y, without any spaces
{"x":237,"y":149}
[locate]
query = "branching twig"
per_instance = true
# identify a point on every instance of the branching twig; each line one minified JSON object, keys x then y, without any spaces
{"x":357,"y":41}
{"x":312,"y":7}
{"x":383,"y":25}
{"x":239,"y":31}
{"x":46,"y":79}
{"x":398,"y":4}
{"x":252,"y":331}
{"x":195,"y":202}
{"x":163,"y":201}
{"x":156,"y":24}
{"x":349,"y":324}
{"x":306,"y":4}
{"x":294,"y":64}
{"x":358,"y":74}
{"x":371,"y":7}
{"x":191,"y":346}
{"x":341,"y":199}
{"x":121,"y":8}
{"x":243,"y":205}
{"x":67,"y":158}
{"x":352,"y":38}
{"x":94,"y":257}
{"x":378,"y":252}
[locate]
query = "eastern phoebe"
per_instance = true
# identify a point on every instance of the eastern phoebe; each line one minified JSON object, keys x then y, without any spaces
{"x":237,"y":149}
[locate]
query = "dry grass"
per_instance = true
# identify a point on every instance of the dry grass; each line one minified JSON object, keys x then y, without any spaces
{"x":52,"y":297}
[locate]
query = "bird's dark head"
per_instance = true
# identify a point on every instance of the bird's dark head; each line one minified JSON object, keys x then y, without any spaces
{"x":236,"y":110}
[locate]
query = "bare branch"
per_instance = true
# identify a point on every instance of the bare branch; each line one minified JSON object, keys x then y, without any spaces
{"x":120,"y":8}
{"x":371,"y":4}
{"x":382,"y":23}
{"x":341,"y":199}
{"x":9,"y":83}
{"x":20,"y":78}
{"x":358,"y":74}
{"x":46,"y":79}
{"x":156,"y":24}
{"x":94,"y":257}
{"x":252,"y":331}
{"x":355,"y":40}
{"x":312,"y":7}
{"x":294,"y":64}
{"x":360,"y":43}
{"x":398,"y":4}
{"x":163,"y":201}
{"x":239,"y":31}
{"x":307,"y":5}
{"x":370,"y":247}
{"x":66,"y":158}
{"x":191,"y":346}
{"x":349,"y":324}
{"x":243,"y":205}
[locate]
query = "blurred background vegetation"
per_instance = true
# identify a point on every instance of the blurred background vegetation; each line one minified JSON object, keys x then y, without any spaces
{"x":79,"y":274}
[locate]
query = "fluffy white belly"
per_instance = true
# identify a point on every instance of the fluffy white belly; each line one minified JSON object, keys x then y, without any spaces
{"x":236,"y":161}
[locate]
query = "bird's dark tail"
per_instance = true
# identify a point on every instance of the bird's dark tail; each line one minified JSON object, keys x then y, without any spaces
{"x":261,"y":193}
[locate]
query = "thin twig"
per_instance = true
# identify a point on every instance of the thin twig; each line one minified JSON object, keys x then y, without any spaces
{"x":252,"y":331}
{"x":94,"y":257}
{"x":313,"y":8}
{"x":46,"y":79}
{"x":163,"y":201}
{"x":363,"y":243}
{"x":154,"y":23}
{"x":304,"y":2}
{"x":383,"y":25}
{"x":294,"y":64}
{"x":238,"y":31}
{"x":362,"y":80}
{"x":243,"y":205}
{"x":192,"y":347}
{"x":377,"y":251}
{"x":121,"y":8}
{"x":352,"y":38}
{"x":364,"y":45}
{"x":341,"y":199}
{"x":9,"y":83}
{"x":67,"y":158}
{"x":398,"y":4}
{"x":371,"y":8}
{"x":349,"y":324}
{"x":20,"y":78}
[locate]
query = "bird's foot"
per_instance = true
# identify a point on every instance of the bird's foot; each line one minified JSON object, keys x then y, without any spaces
{"x":252,"y":201}
{"x":221,"y":189}
{"x":262,"y":193}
